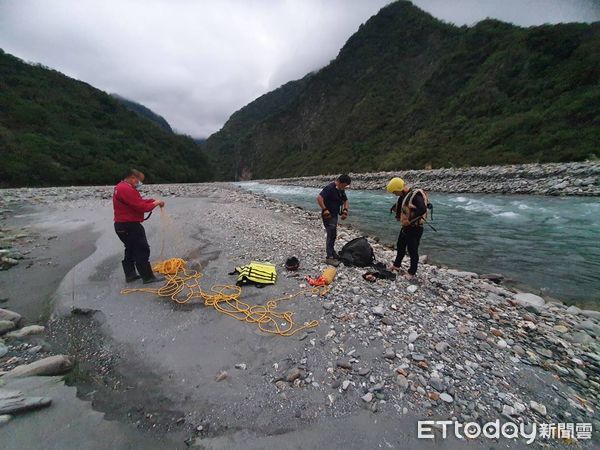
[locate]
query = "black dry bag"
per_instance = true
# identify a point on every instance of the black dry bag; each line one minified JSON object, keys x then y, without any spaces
{"x":358,"y":252}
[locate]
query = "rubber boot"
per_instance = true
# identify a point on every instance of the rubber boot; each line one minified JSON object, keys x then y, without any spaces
{"x":147,"y":274}
{"x":130,"y":273}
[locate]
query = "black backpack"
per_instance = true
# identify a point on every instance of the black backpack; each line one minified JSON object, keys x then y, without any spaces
{"x":358,"y":252}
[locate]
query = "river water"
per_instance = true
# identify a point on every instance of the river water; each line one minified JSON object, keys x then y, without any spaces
{"x":549,"y":244}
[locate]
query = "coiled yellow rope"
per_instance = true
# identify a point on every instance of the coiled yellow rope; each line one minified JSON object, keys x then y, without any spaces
{"x":182,"y":285}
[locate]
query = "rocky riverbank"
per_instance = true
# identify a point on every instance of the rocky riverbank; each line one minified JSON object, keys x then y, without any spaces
{"x":580,"y":178}
{"x":447,"y":345}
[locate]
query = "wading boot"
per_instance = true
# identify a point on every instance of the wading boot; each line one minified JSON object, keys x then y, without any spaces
{"x":147,"y":274}
{"x":130,"y":273}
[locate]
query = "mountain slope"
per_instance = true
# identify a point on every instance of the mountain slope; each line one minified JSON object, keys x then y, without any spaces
{"x":409,"y":91}
{"x":57,"y":131}
{"x":144,"y":112}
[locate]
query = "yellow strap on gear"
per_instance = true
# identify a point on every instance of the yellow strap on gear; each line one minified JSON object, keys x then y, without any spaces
{"x":182,"y":285}
{"x":264,"y":273}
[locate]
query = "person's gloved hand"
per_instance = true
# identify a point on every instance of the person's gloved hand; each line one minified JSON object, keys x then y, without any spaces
{"x":326,"y":214}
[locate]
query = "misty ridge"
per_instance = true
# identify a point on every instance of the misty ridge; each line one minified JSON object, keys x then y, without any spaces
{"x":410,"y":91}
{"x":407,"y":91}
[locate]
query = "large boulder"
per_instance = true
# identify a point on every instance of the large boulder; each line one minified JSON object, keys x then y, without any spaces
{"x":13,"y":402}
{"x":25,"y":331}
{"x":6,"y":314}
{"x":590,"y":327}
{"x":6,"y":326}
{"x":53,"y":365}
{"x":526,"y":299}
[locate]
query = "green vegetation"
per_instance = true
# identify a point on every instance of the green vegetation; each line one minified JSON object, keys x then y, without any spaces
{"x":142,"y":111}
{"x":58,"y":131}
{"x":409,"y":91}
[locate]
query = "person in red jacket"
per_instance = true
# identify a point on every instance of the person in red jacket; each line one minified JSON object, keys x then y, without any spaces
{"x":130,"y":207}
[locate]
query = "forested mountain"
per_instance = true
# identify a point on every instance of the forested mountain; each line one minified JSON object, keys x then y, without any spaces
{"x":55,"y":130}
{"x":145,"y":112}
{"x":410,"y":91}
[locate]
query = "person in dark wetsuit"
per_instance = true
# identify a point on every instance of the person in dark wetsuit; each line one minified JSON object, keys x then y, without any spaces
{"x":333,"y":202}
{"x":411,"y":211}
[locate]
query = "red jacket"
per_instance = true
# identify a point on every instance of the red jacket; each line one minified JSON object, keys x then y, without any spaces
{"x":129,"y":205}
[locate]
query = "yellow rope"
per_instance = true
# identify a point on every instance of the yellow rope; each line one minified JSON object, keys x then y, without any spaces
{"x":182,"y":285}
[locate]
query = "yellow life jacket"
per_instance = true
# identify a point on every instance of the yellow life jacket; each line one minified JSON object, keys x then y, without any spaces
{"x":256,"y":272}
{"x":406,"y":214}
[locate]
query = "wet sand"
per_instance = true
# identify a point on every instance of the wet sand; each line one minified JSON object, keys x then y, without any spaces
{"x":53,"y":252}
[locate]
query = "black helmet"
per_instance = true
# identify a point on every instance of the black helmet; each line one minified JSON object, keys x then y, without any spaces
{"x":292,"y":263}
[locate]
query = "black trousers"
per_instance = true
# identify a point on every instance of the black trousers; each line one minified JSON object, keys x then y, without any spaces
{"x":331,"y":229}
{"x":133,"y":235}
{"x":409,"y":239}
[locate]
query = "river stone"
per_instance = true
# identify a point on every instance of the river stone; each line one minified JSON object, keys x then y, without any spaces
{"x":402,"y":382}
{"x":378,"y":311}
{"x":389,"y":353}
{"x":3,"y":350}
{"x":508,"y":411}
{"x":368,"y":397}
{"x":537,"y":407}
{"x":590,"y":313}
{"x":441,"y":347}
{"x":294,"y":374}
{"x":387,"y":320}
{"x":4,"y":419}
{"x":445,"y":397}
{"x":363,"y":372}
{"x":6,"y":326}
{"x":345,"y":384}
{"x":590,"y":326}
{"x":573,"y":310}
{"x":344,"y":364}
{"x":437,"y":384}
{"x":526,"y":299}
{"x":580,"y":337}
{"x":560,"y":328}
{"x":463,"y":274}
{"x":412,"y":337}
{"x":26,"y":331}
{"x":412,"y":288}
{"x":6,"y":314}
{"x":494,"y":277}
{"x":12,"y":402}
{"x":53,"y":365}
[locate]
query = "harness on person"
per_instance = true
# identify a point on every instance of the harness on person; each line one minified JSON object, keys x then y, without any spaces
{"x":408,"y":205}
{"x":258,"y":273}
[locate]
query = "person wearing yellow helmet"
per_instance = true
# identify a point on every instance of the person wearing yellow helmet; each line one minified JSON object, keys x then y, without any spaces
{"x":411,"y":211}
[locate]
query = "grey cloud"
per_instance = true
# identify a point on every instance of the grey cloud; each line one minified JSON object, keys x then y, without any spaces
{"x":196,"y":62}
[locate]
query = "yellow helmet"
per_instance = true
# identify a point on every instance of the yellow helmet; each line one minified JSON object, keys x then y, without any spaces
{"x":395,"y":185}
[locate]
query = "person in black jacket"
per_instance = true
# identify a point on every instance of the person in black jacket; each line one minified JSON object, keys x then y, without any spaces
{"x":411,"y":211}
{"x":333,"y":202}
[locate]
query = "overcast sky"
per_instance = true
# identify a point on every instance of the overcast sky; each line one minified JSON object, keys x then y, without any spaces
{"x":196,"y":62}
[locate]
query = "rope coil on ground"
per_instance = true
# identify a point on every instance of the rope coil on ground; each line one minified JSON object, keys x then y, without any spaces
{"x":183,"y":285}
